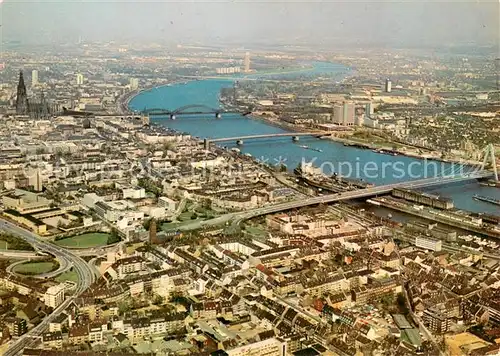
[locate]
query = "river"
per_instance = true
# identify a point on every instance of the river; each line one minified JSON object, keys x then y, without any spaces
{"x":349,"y":161}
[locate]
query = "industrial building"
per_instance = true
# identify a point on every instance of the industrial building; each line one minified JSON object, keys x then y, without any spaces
{"x":423,"y":198}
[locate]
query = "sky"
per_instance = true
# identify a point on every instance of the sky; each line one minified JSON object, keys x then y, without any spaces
{"x":401,"y":23}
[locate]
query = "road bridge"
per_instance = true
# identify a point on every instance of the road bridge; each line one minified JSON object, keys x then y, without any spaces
{"x":239,"y":217}
{"x":240,"y":139}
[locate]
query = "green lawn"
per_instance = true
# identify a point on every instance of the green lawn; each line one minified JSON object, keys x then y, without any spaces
{"x":185,"y":216}
{"x":257,"y":231}
{"x":94,"y":239}
{"x":33,"y":268}
{"x":67,"y":276}
{"x":3,"y":245}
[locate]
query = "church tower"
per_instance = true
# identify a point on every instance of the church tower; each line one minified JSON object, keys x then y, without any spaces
{"x":22,"y":106}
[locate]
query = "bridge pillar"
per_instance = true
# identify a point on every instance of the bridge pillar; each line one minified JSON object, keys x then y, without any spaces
{"x":172,"y":117}
{"x":295,"y":138}
{"x":218,"y":115}
{"x":239,"y":142}
{"x":489,"y":154}
{"x":206,"y":143}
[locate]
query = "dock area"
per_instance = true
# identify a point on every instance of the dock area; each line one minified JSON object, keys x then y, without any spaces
{"x":487,"y":199}
{"x":455,"y":218}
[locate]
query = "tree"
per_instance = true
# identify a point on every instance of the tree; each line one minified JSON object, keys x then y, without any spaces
{"x":123,"y":307}
{"x":146,"y":224}
{"x":401,"y":300}
{"x":387,"y":300}
{"x":114,"y":237}
{"x":206,"y":203}
{"x":158,"y":299}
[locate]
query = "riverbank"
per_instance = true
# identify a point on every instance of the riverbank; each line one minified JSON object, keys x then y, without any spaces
{"x":279,"y":124}
{"x":389,"y":150}
{"x":252,"y":75}
{"x":124,"y":101}
{"x":434,"y":156}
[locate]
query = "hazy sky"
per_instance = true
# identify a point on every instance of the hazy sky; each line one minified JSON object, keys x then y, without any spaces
{"x":391,"y":23}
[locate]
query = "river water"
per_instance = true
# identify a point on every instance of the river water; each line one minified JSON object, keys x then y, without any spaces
{"x":349,"y":161}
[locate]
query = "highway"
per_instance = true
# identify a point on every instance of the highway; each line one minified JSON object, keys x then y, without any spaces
{"x":85,"y":278}
{"x":331,"y":198}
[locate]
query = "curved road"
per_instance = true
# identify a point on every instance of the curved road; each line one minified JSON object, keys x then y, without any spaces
{"x":85,"y":278}
{"x":64,"y":265}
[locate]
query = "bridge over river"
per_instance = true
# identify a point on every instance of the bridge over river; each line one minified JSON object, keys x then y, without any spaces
{"x":240,"y":139}
{"x":193,"y":109}
{"x":239,"y":217}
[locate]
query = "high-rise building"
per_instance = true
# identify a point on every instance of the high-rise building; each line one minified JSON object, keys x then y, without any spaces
{"x":34,"y":77}
{"x":344,"y":114}
{"x":246,"y":62}
{"x":388,"y":85}
{"x":22,"y":105}
{"x":134,"y":83}
{"x":338,"y":114}
{"x":369,"y":110}
{"x":349,"y":113}
{"x":79,"y":79}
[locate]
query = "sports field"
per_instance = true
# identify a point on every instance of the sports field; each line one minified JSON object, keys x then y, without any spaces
{"x":94,"y":239}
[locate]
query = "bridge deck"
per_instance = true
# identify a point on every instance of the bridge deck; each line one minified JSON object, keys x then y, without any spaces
{"x":364,"y":193}
{"x":288,"y":134}
{"x":168,"y":112}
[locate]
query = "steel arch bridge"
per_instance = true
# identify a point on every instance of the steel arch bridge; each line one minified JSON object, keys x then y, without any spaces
{"x":193,"y":109}
{"x":197,"y":108}
{"x":184,"y":110}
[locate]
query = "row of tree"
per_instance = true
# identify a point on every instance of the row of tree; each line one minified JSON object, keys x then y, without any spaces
{"x":15,"y":243}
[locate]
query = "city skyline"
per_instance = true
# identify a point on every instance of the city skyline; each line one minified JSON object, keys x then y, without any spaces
{"x":385,"y":24}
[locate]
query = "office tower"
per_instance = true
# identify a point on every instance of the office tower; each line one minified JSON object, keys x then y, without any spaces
{"x":369,"y":110}
{"x":349,"y":113}
{"x":34,"y":78}
{"x":246,"y":62}
{"x":22,"y":106}
{"x":344,"y":114}
{"x":79,"y":79}
{"x":134,"y":83}
{"x":338,"y":114}
{"x":388,"y":85}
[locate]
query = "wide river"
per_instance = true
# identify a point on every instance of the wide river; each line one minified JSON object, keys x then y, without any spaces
{"x":349,"y":161}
